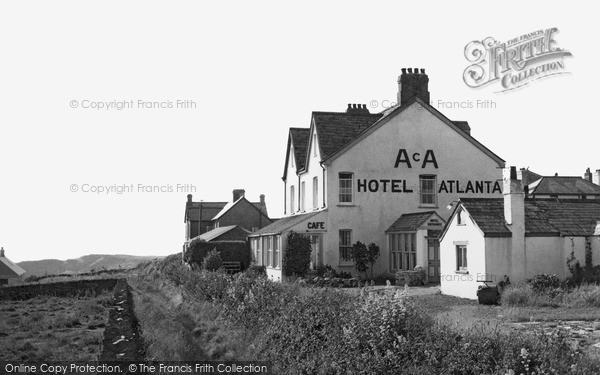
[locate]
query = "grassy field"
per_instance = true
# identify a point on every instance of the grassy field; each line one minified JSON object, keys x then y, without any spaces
{"x":50,"y":328}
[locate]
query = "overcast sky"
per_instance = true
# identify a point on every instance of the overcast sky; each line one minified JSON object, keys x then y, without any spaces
{"x":254,"y":69}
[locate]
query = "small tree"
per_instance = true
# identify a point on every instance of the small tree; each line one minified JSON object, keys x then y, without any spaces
{"x":364,"y":256}
{"x":372,"y":255}
{"x":296,"y":255}
{"x":213,"y":261}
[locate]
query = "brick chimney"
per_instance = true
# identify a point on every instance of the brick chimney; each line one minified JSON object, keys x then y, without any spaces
{"x":514,"y":214}
{"x":1,"y":252}
{"x":588,"y":175}
{"x":596,"y":177}
{"x":238,"y":193}
{"x":411,"y":83}
{"x":189,"y":198}
{"x":262,"y":200}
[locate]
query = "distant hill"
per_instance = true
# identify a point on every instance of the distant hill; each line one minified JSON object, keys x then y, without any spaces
{"x":87,"y":263}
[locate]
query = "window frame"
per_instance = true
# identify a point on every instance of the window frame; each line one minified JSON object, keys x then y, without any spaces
{"x":315,"y":192}
{"x":432,"y":192}
{"x":403,"y":251}
{"x":292,"y":198}
{"x":348,"y":191}
{"x":276,"y":251}
{"x":462,"y":265}
{"x":345,"y":248}
{"x":303,"y":196}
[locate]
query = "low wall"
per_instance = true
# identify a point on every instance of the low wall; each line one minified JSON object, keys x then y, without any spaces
{"x":59,"y":289}
{"x":411,"y":278}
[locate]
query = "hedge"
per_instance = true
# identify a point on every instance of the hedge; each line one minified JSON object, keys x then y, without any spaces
{"x":230,"y":251}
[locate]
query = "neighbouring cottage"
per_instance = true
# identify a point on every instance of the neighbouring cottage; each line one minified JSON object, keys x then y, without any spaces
{"x":563,"y":187}
{"x":225,"y":220}
{"x":351,"y":175}
{"x":9,"y":271}
{"x":486,"y":239}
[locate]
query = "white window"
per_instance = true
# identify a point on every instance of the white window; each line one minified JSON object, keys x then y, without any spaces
{"x":259,"y":259}
{"x":345,"y":187}
{"x":403,"y":251}
{"x":345,"y":245}
{"x":315,"y":192}
{"x":459,"y":217}
{"x":292,"y":199}
{"x":268,"y":250}
{"x":302,"y":195}
{"x":427,"y":189}
{"x":276,"y":251}
{"x":461,"y":258}
{"x":292,"y":157}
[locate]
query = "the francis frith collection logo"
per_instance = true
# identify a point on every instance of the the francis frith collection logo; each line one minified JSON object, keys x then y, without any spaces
{"x":514,"y":63}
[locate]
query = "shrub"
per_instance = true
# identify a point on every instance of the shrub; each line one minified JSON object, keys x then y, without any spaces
{"x":230,"y":251}
{"x":212,"y":261}
{"x":256,"y":271}
{"x":296,"y":257}
{"x":364,"y":256}
{"x":543,"y":283}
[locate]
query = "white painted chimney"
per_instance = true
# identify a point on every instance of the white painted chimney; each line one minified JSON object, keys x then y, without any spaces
{"x":514,"y":214}
{"x":596,"y":177}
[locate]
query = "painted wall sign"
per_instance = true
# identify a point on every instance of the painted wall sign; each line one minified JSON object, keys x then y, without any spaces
{"x":404,"y":158}
{"x":476,"y":187}
{"x":445,"y":186}
{"x":320,"y":225}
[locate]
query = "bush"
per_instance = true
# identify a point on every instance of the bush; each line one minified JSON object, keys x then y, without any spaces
{"x":212,"y":261}
{"x":296,"y":257}
{"x":230,"y":251}
{"x":544,"y":283}
{"x":256,"y":271}
{"x":364,"y":256}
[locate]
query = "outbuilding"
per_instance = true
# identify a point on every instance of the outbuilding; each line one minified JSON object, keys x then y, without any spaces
{"x":9,"y":272}
{"x":488,"y":239}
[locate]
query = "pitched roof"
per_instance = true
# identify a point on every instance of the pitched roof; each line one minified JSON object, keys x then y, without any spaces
{"x":284,"y":224}
{"x":568,"y":217}
{"x":217,"y":232}
{"x":488,"y":214}
{"x":300,"y":137}
{"x":336,"y":129}
{"x":389,"y":113}
{"x":209,"y":210}
{"x":410,"y":222}
{"x":8,"y":269}
{"x":563,"y":185}
{"x":230,"y":205}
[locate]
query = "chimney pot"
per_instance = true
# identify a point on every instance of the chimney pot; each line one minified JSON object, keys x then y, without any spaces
{"x":409,"y":70}
{"x":403,"y":70}
{"x":422,"y":70}
{"x":262,"y":199}
{"x":513,"y":173}
{"x":189,"y":198}
{"x":416,"y":70}
{"x":349,"y":105}
{"x":1,"y":252}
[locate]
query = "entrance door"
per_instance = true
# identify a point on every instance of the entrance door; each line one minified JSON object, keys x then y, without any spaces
{"x":433,"y":249}
{"x":315,"y":256}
